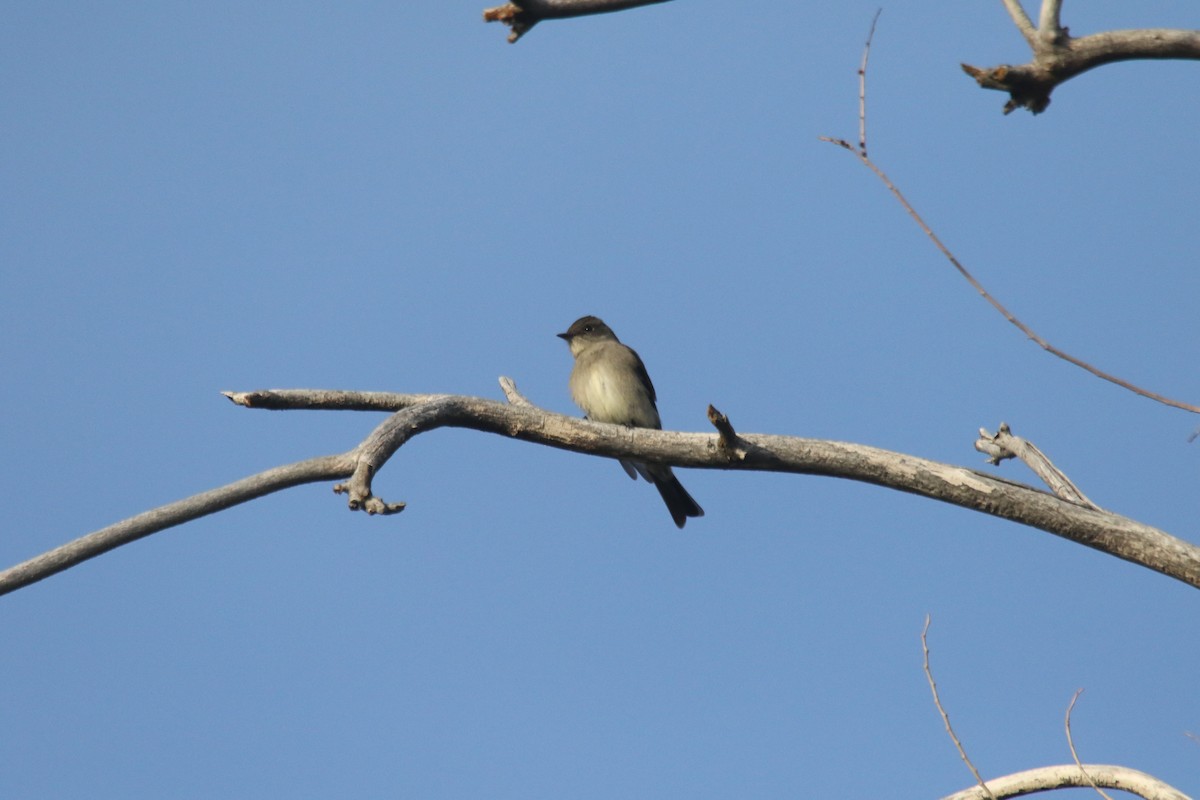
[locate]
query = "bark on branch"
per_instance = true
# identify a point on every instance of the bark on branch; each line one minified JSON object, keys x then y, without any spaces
{"x":1058,"y":57}
{"x":518,"y":419}
{"x":521,"y":15}
{"x":1104,"y":776}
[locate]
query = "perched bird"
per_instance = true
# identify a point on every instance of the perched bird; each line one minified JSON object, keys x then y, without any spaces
{"x":609,"y":382}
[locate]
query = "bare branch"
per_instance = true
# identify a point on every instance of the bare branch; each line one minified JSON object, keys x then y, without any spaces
{"x":509,"y":387}
{"x":1022,"y":21}
{"x":1002,"y":445}
{"x":1068,"y":776}
{"x":1046,"y":778}
{"x":727,"y":440}
{"x":170,"y":515}
{"x":1101,"y":530}
{"x":1049,"y":24}
{"x":1071,"y":744}
{"x":326,"y":400}
{"x":1057,"y":57}
{"x":521,"y":15}
{"x":937,"y":701}
{"x":862,"y":84}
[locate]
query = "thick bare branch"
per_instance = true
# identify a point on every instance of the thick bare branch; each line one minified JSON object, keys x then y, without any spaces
{"x":1066,"y":776}
{"x":521,"y":15}
{"x":1057,"y":57}
{"x":1101,"y":530}
{"x":130,"y":530}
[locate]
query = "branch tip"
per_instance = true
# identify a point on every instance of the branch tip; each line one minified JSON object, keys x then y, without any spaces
{"x":728,"y":440}
{"x":518,"y":20}
{"x":514,"y":397}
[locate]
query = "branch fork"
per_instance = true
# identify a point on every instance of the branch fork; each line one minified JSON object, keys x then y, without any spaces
{"x":413,"y":414}
{"x":1058,"y":57}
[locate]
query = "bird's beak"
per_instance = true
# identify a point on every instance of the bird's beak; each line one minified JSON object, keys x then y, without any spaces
{"x":564,"y":336}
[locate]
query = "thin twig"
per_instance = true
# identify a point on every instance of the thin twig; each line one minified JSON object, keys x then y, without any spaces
{"x":937,"y":701}
{"x":862,"y":85}
{"x":861,"y":152}
{"x":1071,"y":744}
{"x":727,"y":440}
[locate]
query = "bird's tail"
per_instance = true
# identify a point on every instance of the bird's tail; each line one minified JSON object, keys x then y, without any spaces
{"x":679,"y":502}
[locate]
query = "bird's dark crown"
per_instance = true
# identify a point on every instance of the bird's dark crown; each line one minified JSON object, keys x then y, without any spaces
{"x":588,"y":326}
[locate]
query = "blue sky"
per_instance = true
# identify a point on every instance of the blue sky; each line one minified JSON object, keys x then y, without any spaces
{"x":388,"y":196}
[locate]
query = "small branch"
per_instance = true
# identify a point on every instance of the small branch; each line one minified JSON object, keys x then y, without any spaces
{"x":862,"y":85}
{"x":326,"y":400}
{"x":521,"y":15}
{"x":937,"y":701}
{"x":509,"y":387}
{"x":1066,"y":776}
{"x":1101,"y":530}
{"x":1071,"y":744}
{"x":130,"y":530}
{"x":861,"y":153}
{"x":1057,"y":57}
{"x":1050,"y":29}
{"x":1022,"y":21}
{"x":1046,"y":778}
{"x":727,"y":439}
{"x":1002,"y":445}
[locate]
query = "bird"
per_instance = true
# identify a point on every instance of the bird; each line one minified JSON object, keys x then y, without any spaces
{"x":610,"y":383}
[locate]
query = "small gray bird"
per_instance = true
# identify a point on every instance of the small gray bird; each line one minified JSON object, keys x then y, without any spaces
{"x":609,"y":382}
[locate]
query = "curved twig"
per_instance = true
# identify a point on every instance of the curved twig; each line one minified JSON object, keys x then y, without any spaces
{"x":1066,"y":776}
{"x":861,"y":153}
{"x":1071,"y":745}
{"x":937,"y":701}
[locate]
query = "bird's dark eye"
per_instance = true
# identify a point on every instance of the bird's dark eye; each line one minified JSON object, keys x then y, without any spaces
{"x":587,"y":328}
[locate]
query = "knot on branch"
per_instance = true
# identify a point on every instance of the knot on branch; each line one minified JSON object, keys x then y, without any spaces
{"x":728,"y":442}
{"x":361,"y":497}
{"x":518,"y":20}
{"x":1025,"y":89}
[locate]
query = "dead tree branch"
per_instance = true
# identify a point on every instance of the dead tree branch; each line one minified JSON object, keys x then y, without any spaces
{"x":861,"y":152}
{"x":1003,"y":444}
{"x":521,"y":15}
{"x":1068,"y":776}
{"x":937,"y":701}
{"x":1057,"y":57}
{"x":1071,"y":745}
{"x":1065,"y":776}
{"x":415,"y":414}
